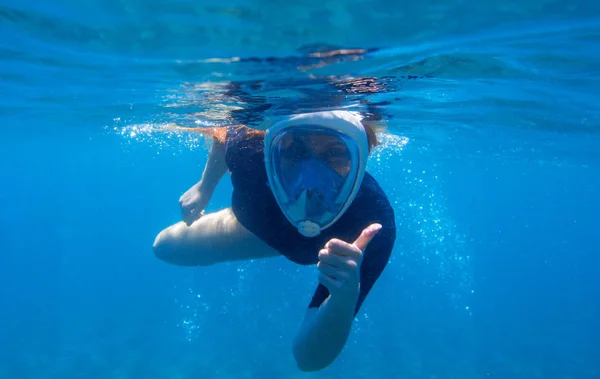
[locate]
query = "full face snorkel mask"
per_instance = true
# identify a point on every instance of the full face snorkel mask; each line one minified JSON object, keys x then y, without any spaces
{"x":315,"y":165}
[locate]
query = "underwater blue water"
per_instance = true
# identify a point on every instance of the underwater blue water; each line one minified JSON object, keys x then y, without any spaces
{"x":491,"y":160}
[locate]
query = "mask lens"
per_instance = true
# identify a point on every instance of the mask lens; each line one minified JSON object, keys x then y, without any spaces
{"x":315,"y":165}
{"x":315,"y":170}
{"x":302,"y":144}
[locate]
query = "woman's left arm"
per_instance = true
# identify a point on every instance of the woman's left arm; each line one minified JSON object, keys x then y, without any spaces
{"x":325,"y":329}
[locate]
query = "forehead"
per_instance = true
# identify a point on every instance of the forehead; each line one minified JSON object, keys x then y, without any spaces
{"x":313,"y":136}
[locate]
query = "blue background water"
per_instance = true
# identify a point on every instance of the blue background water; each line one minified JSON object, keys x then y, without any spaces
{"x":494,"y":275}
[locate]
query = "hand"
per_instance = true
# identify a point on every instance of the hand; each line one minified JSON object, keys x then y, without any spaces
{"x":339,"y":263}
{"x":192,"y":204}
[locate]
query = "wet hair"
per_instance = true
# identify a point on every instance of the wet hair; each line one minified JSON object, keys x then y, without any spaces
{"x":219,"y":133}
{"x":371,"y":129}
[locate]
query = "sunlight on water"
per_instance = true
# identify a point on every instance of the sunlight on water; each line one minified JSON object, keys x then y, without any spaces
{"x":192,"y":307}
{"x":508,"y":88}
{"x":420,"y":210}
{"x":159,"y":136}
{"x":415,"y":193}
{"x":419,"y":203}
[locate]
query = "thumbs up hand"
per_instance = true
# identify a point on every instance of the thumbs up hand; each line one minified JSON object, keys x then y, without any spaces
{"x":339,"y":263}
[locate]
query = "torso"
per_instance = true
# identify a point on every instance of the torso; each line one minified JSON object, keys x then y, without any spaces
{"x":256,"y":209}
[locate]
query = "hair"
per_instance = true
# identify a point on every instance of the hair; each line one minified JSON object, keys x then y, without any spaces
{"x":371,"y":128}
{"x":218,"y":133}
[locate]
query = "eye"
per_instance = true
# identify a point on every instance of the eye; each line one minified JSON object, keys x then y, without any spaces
{"x":295,"y":151}
{"x":335,"y":152}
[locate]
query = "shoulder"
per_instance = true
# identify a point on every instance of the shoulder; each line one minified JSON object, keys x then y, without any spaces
{"x":372,"y":198}
{"x":370,"y":184}
{"x":240,"y":131}
{"x":373,"y":206}
{"x":243,"y":143}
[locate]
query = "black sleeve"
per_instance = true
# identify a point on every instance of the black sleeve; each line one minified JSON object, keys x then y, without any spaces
{"x":375,"y":259}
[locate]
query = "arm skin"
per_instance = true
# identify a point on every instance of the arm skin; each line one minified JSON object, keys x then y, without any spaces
{"x":194,"y":201}
{"x":324,"y":332}
{"x":215,"y":168}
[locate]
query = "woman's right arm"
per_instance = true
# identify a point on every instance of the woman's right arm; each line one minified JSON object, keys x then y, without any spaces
{"x":194,"y":201}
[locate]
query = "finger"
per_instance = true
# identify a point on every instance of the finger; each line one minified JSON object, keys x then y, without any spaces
{"x":343,"y":248}
{"x":333,"y":272}
{"x":190,"y":216}
{"x":342,"y":262}
{"x":186,"y":213}
{"x":330,"y":258}
{"x":366,"y":236}
{"x":329,"y":282}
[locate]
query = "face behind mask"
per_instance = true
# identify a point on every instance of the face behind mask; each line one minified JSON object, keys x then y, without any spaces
{"x":315,"y":168}
{"x":316,"y":183}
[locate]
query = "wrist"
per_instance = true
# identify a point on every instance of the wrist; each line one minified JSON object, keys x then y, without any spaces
{"x":204,"y":187}
{"x":346,"y":297}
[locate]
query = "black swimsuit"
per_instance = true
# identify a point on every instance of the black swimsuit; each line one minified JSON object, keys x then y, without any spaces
{"x":256,"y":209}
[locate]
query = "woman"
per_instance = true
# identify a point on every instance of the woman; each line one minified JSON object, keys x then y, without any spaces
{"x":299,"y":190}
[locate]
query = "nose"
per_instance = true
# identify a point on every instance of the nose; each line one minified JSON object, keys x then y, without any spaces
{"x":314,"y":193}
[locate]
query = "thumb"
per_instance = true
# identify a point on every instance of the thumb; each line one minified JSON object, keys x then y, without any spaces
{"x":366,"y":236}
{"x":189,"y":214}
